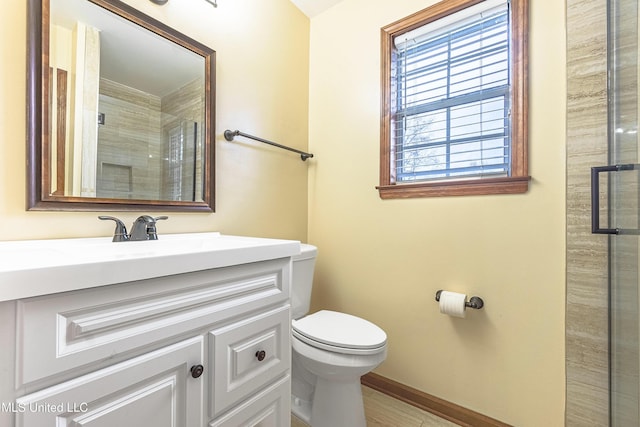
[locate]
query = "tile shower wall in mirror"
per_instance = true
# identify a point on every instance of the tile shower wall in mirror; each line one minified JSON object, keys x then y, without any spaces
{"x":146,"y":139}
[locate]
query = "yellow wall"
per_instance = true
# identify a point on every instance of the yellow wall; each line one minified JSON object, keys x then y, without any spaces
{"x":262,"y":89}
{"x":384,"y":260}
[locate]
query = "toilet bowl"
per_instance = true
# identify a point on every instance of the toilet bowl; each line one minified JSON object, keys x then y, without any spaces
{"x":330,"y":352}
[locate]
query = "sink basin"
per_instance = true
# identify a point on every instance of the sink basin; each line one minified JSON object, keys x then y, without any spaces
{"x":37,"y":267}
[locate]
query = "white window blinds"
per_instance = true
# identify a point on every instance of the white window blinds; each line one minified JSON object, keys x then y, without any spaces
{"x":450,"y":86}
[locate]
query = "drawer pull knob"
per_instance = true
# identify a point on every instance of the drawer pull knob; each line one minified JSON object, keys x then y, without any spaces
{"x":197,"y":370}
{"x":260,"y":355}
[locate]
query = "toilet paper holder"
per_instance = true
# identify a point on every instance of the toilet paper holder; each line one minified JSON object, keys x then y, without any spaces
{"x":474,"y":302}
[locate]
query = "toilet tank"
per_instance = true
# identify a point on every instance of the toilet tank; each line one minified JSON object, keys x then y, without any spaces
{"x":302,"y":279}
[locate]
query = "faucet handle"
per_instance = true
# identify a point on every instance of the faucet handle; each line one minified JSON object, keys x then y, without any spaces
{"x":120,"y":233}
{"x":151,"y":227}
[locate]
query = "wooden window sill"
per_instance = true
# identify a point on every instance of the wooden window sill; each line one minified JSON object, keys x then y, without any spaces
{"x":510,"y":185}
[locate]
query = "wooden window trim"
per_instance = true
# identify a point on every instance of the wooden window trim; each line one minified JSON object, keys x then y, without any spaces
{"x":518,"y":182}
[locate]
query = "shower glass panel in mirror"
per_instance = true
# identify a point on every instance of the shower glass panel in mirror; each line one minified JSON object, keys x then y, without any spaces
{"x":127,"y":123}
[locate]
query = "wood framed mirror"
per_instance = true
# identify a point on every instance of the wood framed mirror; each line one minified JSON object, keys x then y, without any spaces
{"x":120,"y":111}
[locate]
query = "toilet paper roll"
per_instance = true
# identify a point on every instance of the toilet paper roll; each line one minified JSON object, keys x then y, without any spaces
{"x":452,"y":303}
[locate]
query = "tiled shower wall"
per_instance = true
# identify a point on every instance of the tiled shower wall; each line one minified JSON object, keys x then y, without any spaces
{"x":587,"y":254}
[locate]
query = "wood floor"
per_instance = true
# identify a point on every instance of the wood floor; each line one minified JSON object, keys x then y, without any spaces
{"x":384,"y":411}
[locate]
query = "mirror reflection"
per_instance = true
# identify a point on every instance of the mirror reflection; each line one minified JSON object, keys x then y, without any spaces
{"x":128,"y":121}
{"x":126,"y":110}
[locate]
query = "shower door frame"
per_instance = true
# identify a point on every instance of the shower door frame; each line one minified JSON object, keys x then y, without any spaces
{"x":623,"y":218}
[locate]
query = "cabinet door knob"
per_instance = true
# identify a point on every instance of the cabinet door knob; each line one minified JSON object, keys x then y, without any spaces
{"x":261,"y":355}
{"x":197,"y":370}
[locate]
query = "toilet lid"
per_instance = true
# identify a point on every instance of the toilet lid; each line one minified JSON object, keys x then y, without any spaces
{"x":340,"y":330}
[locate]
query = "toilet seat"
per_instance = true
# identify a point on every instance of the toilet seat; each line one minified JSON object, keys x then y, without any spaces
{"x":340,"y":333}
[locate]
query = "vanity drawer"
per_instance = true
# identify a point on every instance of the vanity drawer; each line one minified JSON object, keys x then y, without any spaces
{"x":248,"y":355}
{"x":269,"y":408}
{"x":99,"y":326}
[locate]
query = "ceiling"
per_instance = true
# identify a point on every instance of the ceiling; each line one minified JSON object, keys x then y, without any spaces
{"x":121,"y":40}
{"x":159,"y":76}
{"x":312,"y":8}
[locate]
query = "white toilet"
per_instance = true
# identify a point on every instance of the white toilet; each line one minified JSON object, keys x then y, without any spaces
{"x":331,"y":351}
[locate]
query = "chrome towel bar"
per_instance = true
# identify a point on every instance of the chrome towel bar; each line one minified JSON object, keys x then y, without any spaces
{"x":229,"y":134}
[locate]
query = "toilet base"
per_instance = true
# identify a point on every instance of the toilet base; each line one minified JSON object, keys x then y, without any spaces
{"x":301,"y":409}
{"x":337,"y":404}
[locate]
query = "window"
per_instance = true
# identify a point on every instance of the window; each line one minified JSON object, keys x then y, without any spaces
{"x":454,"y":100}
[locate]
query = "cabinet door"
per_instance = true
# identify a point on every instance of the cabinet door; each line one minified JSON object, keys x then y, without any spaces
{"x":156,"y":389}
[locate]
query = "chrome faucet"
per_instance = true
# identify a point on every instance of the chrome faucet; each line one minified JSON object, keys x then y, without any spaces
{"x":144,"y":228}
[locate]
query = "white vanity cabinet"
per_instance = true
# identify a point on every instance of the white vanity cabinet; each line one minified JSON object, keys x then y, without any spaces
{"x":202,"y":348}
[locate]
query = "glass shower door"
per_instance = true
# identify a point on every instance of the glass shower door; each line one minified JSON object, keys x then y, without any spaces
{"x":623,"y":203}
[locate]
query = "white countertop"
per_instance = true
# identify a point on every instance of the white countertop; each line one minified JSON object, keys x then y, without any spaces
{"x":38,"y":267}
